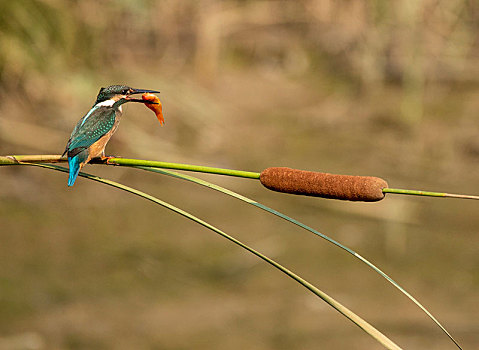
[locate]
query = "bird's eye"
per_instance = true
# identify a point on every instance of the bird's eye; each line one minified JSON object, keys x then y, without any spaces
{"x":125,"y":91}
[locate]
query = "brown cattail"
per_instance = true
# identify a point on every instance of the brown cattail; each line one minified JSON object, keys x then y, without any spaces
{"x":310,"y":183}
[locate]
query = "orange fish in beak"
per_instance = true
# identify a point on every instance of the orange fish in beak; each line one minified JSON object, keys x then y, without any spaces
{"x":157,"y":108}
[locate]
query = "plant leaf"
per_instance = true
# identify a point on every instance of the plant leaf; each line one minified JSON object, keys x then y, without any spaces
{"x":364,"y":325}
{"x":307,"y":228}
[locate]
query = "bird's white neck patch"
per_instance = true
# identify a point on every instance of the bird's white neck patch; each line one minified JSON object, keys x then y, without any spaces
{"x":107,"y":103}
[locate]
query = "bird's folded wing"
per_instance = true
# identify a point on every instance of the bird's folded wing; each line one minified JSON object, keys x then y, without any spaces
{"x":91,"y":128}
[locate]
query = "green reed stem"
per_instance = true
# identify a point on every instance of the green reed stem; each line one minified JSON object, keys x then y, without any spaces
{"x":188,"y":167}
{"x":7,"y":160}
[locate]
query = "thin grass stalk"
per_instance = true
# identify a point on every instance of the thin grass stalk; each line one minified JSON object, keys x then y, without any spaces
{"x":429,"y":193}
{"x":357,"y":320}
{"x":307,"y":228}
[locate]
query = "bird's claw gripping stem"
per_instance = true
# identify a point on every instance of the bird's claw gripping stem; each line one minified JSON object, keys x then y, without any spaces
{"x":103,"y":160}
{"x":106,"y":159}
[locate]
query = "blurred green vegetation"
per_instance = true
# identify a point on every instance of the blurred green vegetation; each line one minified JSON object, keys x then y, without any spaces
{"x":358,"y":87}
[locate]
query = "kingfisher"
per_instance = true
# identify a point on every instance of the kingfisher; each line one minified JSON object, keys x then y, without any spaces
{"x":92,"y":132}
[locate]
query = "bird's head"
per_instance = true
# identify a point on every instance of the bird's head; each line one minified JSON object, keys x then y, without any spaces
{"x":121,"y":92}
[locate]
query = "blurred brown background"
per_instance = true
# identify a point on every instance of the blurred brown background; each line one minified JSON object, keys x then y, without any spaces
{"x":357,"y":87}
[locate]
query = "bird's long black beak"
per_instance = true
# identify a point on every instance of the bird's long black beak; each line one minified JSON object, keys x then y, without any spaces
{"x":141,"y":91}
{"x":141,"y":101}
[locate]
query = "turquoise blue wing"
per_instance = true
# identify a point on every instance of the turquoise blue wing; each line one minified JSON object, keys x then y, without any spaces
{"x":98,"y":122}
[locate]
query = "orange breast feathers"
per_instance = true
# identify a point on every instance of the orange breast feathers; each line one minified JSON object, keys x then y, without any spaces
{"x":154,"y":107}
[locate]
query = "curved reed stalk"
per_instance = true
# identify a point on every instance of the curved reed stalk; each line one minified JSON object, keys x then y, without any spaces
{"x":307,"y":228}
{"x":358,"y":321}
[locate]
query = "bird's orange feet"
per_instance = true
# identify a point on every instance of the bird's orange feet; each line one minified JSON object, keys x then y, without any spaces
{"x":106,"y":159}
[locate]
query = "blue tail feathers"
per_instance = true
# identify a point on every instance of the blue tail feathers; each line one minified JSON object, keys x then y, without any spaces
{"x":74,"y":165}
